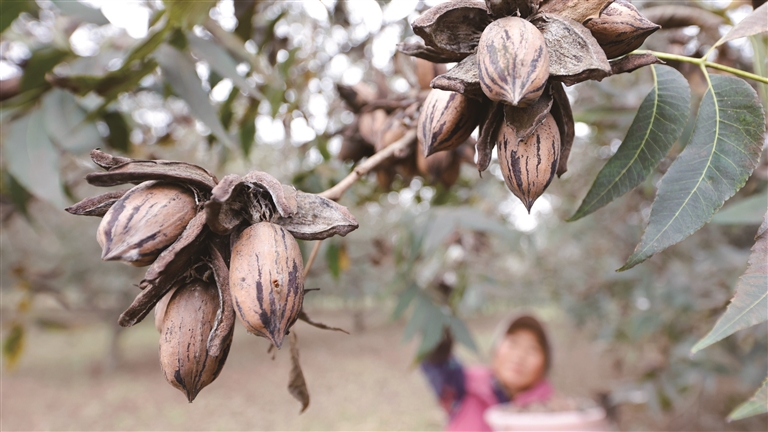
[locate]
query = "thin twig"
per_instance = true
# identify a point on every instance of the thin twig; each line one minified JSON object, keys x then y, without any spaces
{"x":312,"y":257}
{"x":372,"y":162}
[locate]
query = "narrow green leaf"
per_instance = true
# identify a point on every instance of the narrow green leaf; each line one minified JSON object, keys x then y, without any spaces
{"x":39,"y":64}
{"x":119,"y":131}
{"x":11,"y":10}
{"x":16,"y":192}
{"x":754,"y":23}
{"x":750,"y":304}
{"x":435,"y":322}
{"x":758,"y":404}
{"x":248,"y":127}
{"x":418,"y":317}
{"x":244,"y":11}
{"x":220,"y":61}
{"x":460,"y":331}
{"x":66,"y":123}
{"x":81,"y":11}
{"x":225,"y":112}
{"x":13,"y":345}
{"x":32,"y":159}
{"x":658,"y":124}
{"x":187,"y":14}
{"x":748,"y":211}
{"x":147,"y":46}
{"x":332,"y":259}
{"x":179,"y":71}
{"x":724,"y":150}
{"x":404,"y":300}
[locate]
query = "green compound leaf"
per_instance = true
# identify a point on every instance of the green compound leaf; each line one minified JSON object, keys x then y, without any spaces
{"x":658,"y":124}
{"x":757,"y":405}
{"x":750,"y":304}
{"x":722,"y":153}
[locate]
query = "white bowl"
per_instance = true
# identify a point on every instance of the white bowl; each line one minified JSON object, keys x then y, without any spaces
{"x":501,"y":418}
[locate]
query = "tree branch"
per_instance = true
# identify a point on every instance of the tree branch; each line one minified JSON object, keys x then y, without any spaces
{"x":394,"y":149}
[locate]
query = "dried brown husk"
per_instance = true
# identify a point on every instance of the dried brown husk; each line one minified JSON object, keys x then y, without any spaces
{"x":224,"y":324}
{"x":187,"y":323}
{"x":563,"y":115}
{"x":266,"y":280}
{"x":633,"y":62}
{"x":462,"y":78}
{"x":513,"y":62}
{"x":353,"y":146}
{"x":447,"y":119}
{"x":577,"y":10}
{"x":525,"y":120}
{"x":96,"y":206}
{"x":124,"y":170}
{"x":502,"y":8}
{"x":394,"y":128}
{"x":426,"y":71}
{"x":253,"y":198}
{"x":454,"y":26}
{"x":356,"y":96}
{"x":419,"y":50}
{"x":318,"y":218}
{"x":172,"y":265}
{"x":160,"y":308}
{"x":489,"y":131}
{"x":529,"y":166}
{"x":370,"y":125}
{"x":620,"y":29}
{"x":442,"y":167}
{"x":144,"y":222}
{"x":574,"y":54}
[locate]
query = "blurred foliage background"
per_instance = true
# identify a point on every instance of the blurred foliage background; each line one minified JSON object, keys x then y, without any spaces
{"x":241,"y":85}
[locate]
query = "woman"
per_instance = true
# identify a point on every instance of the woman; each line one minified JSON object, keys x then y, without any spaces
{"x":517,"y":374}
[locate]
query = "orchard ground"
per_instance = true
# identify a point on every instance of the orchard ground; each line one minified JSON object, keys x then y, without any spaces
{"x":363,"y":381}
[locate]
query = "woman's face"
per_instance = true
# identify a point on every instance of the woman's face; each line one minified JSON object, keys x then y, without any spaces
{"x":519,"y":361}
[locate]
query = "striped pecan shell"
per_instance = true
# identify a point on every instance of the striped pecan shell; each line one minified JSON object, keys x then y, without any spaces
{"x":266,"y":280}
{"x":144,"y":222}
{"x":446,"y":120}
{"x":513,"y":62}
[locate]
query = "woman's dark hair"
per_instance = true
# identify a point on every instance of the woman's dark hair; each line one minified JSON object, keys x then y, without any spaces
{"x":527,"y":322}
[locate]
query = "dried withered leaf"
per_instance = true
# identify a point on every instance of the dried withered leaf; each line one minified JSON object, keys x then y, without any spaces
{"x":225,"y":317}
{"x":633,"y":62}
{"x":170,"y":266}
{"x":561,"y":111}
{"x":370,"y":125}
{"x":488,"y":134}
{"x":502,"y":8}
{"x":419,"y":50}
{"x":318,"y":218}
{"x":304,"y":317}
{"x":96,"y":206}
{"x":137,"y":171}
{"x":462,"y":78}
{"x":426,"y":71}
{"x":266,"y":280}
{"x":620,"y":29}
{"x":529,"y":166}
{"x":574,"y":54}
{"x":144,"y":221}
{"x":513,"y":62}
{"x":297,"y":385}
{"x":577,"y":10}
{"x":184,"y":358}
{"x":526,"y":120}
{"x":447,"y":119}
{"x":455,"y":26}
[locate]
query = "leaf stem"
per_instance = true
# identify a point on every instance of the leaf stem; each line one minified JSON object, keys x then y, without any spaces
{"x":704,"y":63}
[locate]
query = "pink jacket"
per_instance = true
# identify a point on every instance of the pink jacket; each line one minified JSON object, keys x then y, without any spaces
{"x":466,"y":393}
